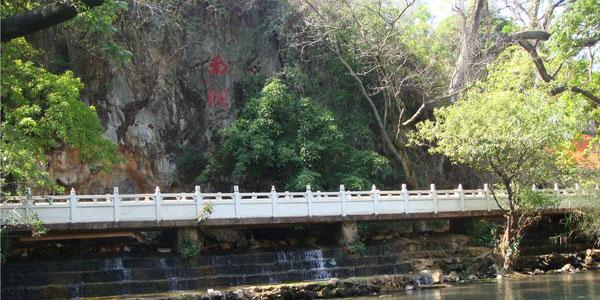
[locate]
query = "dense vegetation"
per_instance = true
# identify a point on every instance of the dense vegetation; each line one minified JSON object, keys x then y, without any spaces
{"x":502,"y":89}
{"x":290,"y":141}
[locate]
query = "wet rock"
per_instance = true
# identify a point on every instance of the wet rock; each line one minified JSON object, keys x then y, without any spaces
{"x":292,"y":241}
{"x":437,"y":277}
{"x":225,"y":246}
{"x":333,"y":281}
{"x":453,"y":276}
{"x":243,"y":243}
{"x":422,"y":264}
{"x":568,"y":268}
{"x":538,"y":272}
{"x":224,"y":235}
{"x":424,"y":278}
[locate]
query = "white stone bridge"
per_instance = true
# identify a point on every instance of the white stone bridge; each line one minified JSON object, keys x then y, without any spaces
{"x":161,"y":210}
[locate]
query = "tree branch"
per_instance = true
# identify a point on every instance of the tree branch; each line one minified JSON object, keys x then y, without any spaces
{"x":41,"y":18}
{"x":541,"y":68}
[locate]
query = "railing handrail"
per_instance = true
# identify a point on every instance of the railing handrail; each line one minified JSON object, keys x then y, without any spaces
{"x":115,"y":207}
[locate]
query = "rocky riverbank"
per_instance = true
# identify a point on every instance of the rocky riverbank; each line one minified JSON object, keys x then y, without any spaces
{"x":389,"y":258}
{"x":386,"y":284}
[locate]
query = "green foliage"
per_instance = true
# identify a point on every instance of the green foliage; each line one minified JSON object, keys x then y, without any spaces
{"x":508,"y":126}
{"x":289,"y":141}
{"x":42,"y":113}
{"x":98,"y":24}
{"x":357,"y":248}
{"x":189,"y":248}
{"x":207,"y":209}
{"x":190,"y":163}
{"x":578,"y":26}
{"x":485,"y":233}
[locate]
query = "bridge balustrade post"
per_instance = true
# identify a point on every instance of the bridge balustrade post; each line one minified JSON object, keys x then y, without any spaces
{"x":557,"y":193}
{"x":343,"y":198}
{"x":486,"y":195}
{"x":157,"y":200}
{"x":405,"y":198}
{"x":309,"y":200}
{"x":29,"y":201}
{"x":236,"y":199}
{"x":461,"y":194}
{"x":73,"y":206}
{"x":273,"y":201}
{"x":198,"y":195}
{"x":116,"y":204}
{"x":375,"y":195}
{"x":434,"y":196}
{"x":577,"y":195}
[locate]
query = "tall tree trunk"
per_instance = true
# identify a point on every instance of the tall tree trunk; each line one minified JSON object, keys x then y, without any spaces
{"x":399,"y":151}
{"x":407,"y":166}
{"x":507,"y":245}
{"x":470,"y":46}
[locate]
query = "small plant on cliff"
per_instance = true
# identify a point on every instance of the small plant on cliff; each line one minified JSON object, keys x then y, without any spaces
{"x":513,"y":129}
{"x":207,"y":209}
{"x":357,"y":247}
{"x":189,"y":248}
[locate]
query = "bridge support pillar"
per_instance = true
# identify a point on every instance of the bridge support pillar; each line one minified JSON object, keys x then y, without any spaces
{"x":187,"y":235}
{"x":348,"y":232}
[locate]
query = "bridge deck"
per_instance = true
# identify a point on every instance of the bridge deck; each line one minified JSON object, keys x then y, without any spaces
{"x":158,"y":210}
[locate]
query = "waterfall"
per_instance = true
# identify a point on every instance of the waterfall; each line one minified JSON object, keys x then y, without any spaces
{"x":317,"y":264}
{"x":319,"y":267}
{"x":170,"y":275}
{"x":75,"y":291}
{"x":113,"y":264}
{"x":116,"y":264}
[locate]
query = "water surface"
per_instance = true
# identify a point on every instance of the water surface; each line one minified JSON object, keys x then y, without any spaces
{"x":548,"y":287}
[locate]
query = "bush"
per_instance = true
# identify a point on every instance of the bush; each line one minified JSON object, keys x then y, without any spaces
{"x":190,"y":163}
{"x":357,"y":248}
{"x":485,"y":233}
{"x":189,"y":248}
{"x":284,"y":140}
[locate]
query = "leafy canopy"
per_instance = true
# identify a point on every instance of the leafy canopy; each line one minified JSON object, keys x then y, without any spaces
{"x":507,"y":125}
{"x":42,"y":113}
{"x":285,"y":140}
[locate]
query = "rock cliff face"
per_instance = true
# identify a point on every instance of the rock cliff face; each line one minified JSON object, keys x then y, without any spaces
{"x":183,"y":84}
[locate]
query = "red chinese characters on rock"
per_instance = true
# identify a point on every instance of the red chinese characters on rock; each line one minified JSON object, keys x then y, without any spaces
{"x":217,"y":66}
{"x":217,"y":95}
{"x":217,"y":98}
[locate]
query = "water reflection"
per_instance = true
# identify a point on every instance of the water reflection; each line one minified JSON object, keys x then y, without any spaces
{"x":547,"y":287}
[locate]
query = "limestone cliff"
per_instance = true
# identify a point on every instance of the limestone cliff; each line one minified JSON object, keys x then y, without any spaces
{"x":183,"y":84}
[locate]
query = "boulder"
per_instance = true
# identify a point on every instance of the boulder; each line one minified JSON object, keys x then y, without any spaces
{"x":437,"y":276}
{"x":453,"y":276}
{"x":568,"y":268}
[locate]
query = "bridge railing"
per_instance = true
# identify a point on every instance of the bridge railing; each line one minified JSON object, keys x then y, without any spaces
{"x":159,"y":206}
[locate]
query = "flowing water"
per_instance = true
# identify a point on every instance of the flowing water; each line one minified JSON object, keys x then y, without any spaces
{"x":547,"y":287}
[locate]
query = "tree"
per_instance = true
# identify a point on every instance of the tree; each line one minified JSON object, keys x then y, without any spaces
{"x":41,"y":17}
{"x":283,"y":140}
{"x":516,"y":131}
{"x":552,"y":40}
{"x":386,"y":54}
{"x":42,"y":112}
